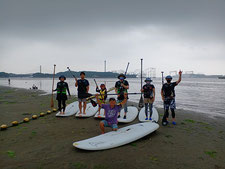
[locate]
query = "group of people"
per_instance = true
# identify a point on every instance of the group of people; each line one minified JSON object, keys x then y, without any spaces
{"x":112,"y":109}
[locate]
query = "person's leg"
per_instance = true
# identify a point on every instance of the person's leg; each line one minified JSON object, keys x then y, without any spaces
{"x":103,"y":124}
{"x":146,"y":111}
{"x":150,"y":109}
{"x":84,"y":108}
{"x":125,"y":110}
{"x":114,"y":127}
{"x":80,"y":106}
{"x":119,"y":101}
{"x":59,"y":105}
{"x":173,"y":114}
{"x":64,"y":105}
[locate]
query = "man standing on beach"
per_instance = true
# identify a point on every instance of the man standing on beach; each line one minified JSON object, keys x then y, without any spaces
{"x":121,"y":88}
{"x":82,"y":87}
{"x":168,"y":97}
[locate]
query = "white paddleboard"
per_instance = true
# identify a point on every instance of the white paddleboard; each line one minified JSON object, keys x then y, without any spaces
{"x":90,"y":111}
{"x":71,"y":109}
{"x":132,"y":113}
{"x":101,"y":115}
{"x":142,"y":116}
{"x":118,"y":138}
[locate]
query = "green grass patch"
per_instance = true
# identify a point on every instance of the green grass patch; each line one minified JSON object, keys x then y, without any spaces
{"x":100,"y":166}
{"x":168,"y":136}
{"x":8,"y":91}
{"x":221,"y":132}
{"x":11,"y":154}
{"x":33,"y":133}
{"x":208,"y":128}
{"x":79,"y":165}
{"x":154,"y":159}
{"x":189,"y":121}
{"x":202,"y":123}
{"x":212,"y":154}
{"x":133,"y":144}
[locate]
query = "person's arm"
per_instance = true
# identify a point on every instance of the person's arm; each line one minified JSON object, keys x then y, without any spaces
{"x":162,"y":94}
{"x":76,"y":84}
{"x":87,"y":89}
{"x":179,"y":80}
{"x":153,"y":94}
{"x":98,"y":101}
{"x":56,"y":88}
{"x":125,"y":86}
{"x":68,"y":90}
{"x":97,"y":89}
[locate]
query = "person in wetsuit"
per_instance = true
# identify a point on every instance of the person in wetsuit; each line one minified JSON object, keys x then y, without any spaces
{"x":168,"y":97}
{"x":61,"y":97}
{"x":82,"y":87}
{"x":102,"y":96}
{"x":121,"y":88}
{"x":149,"y":97}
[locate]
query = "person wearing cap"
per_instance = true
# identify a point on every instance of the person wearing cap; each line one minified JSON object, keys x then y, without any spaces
{"x":149,"y":97}
{"x":82,"y":87}
{"x":121,"y":88}
{"x":103,"y":95}
{"x":111,"y":113}
{"x":61,"y":97}
{"x":168,"y":97}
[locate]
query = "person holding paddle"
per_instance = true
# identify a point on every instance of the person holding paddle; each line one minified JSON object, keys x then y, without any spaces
{"x":111,"y":113}
{"x":103,"y":95}
{"x":168,"y":97}
{"x":121,"y":88}
{"x":149,"y":97}
{"x":82,"y":87}
{"x":61,"y":97}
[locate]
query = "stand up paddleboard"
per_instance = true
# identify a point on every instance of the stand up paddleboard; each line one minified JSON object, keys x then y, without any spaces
{"x":118,"y":138}
{"x":90,"y":111}
{"x":71,"y":109}
{"x":101,"y":115}
{"x":142,"y":116}
{"x":132,"y":113}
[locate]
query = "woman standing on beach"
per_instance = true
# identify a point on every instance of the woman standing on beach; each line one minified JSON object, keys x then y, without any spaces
{"x":61,"y":89}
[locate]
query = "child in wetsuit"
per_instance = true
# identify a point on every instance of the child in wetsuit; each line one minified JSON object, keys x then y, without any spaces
{"x":149,"y":97}
{"x":61,"y":97}
{"x":103,"y":95}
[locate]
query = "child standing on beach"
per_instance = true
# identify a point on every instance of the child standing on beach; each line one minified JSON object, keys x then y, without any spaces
{"x":82,"y":87}
{"x":61,"y":89}
{"x":111,"y":113}
{"x":149,"y":97}
{"x":103,"y":95}
{"x":168,"y":97}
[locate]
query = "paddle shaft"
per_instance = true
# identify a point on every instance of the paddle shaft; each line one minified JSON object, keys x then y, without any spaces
{"x":52,"y":102}
{"x":97,"y":87}
{"x":162,"y":78}
{"x":127,"y":68}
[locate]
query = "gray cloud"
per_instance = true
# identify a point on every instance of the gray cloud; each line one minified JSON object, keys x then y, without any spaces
{"x":168,"y":34}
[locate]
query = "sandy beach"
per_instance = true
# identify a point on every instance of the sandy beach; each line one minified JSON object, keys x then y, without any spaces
{"x":196,"y":142}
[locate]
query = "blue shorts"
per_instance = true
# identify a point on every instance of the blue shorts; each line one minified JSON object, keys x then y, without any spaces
{"x":106,"y":124}
{"x":170,"y":103}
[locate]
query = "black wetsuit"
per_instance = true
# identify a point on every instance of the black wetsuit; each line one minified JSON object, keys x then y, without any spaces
{"x":82,"y":88}
{"x":61,"y":89}
{"x":120,"y":89}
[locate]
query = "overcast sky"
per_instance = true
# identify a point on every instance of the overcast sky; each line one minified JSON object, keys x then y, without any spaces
{"x":167,"y":34}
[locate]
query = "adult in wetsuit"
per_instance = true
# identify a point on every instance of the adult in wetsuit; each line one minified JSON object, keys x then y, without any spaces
{"x":121,"y":88}
{"x":61,"y":97}
{"x":168,"y":97}
{"x":149,"y":97}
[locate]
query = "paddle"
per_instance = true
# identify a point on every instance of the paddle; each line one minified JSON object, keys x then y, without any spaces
{"x":127,"y":68}
{"x":52,"y":101}
{"x":141,"y":101}
{"x":162,"y":78}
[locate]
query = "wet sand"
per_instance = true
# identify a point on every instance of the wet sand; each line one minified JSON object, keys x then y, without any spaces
{"x":196,"y":142}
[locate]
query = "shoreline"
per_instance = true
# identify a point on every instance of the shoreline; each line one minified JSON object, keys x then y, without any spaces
{"x":197,"y":141}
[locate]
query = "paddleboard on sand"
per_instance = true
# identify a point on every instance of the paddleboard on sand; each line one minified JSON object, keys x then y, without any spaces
{"x":71,"y":109}
{"x":118,"y":138}
{"x":132,"y":113}
{"x":101,"y":115}
{"x":90,"y":111}
{"x":142,"y":116}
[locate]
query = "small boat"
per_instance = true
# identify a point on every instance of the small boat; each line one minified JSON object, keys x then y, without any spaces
{"x":221,"y":77}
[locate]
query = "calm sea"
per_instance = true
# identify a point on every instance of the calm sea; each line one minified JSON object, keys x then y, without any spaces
{"x":206,"y":95}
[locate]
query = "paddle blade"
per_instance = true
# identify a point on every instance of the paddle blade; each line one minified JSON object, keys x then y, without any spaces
{"x":141,"y":102}
{"x":94,"y":104}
